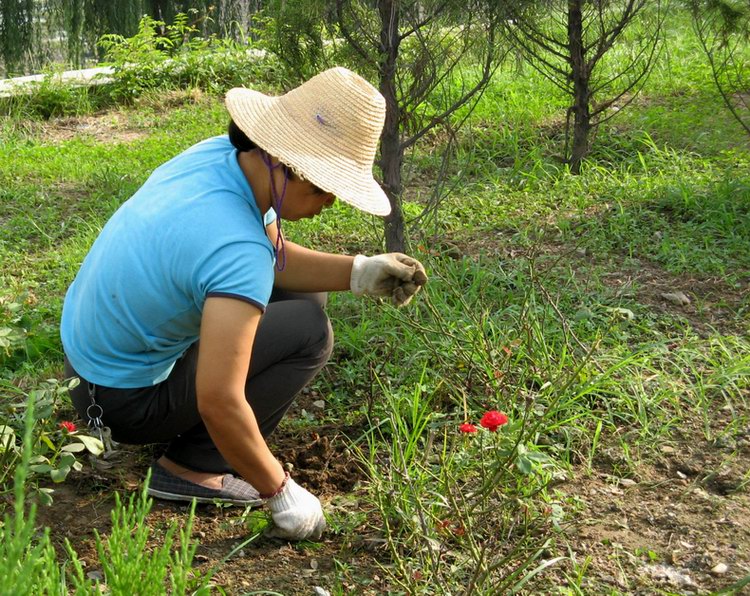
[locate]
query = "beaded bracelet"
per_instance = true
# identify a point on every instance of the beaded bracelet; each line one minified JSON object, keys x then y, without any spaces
{"x":278,"y":490}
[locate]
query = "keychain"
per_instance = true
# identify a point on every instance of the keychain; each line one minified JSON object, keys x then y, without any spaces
{"x":94,"y":413}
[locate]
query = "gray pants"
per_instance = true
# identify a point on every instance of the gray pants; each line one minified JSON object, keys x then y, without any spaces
{"x":293,"y":342}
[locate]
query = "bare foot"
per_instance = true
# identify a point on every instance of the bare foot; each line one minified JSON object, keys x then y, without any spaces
{"x":207,"y":479}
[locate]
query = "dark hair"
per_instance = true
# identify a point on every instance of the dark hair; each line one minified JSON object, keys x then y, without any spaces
{"x":242,"y":142}
{"x":239,"y":139}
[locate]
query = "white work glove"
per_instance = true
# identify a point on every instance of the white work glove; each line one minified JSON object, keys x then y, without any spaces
{"x":393,"y":275}
{"x":296,"y":513}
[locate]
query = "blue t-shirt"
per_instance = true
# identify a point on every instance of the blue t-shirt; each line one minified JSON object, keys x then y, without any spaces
{"x":193,"y":230}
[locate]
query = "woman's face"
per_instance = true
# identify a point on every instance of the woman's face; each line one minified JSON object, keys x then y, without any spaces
{"x":303,"y":200}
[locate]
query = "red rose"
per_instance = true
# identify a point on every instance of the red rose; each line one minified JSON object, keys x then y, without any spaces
{"x":466,"y":427}
{"x":68,"y":426}
{"x":493,"y":420}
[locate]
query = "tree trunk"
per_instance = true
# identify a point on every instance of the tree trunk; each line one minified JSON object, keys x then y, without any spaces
{"x":16,"y":34}
{"x":74,"y":22}
{"x":391,"y":153}
{"x":581,"y":88}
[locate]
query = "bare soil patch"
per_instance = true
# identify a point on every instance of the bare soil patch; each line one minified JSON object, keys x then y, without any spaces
{"x":668,"y":524}
{"x":109,"y":127}
{"x":680,"y":522}
{"x":320,"y":460}
{"x":715,"y":305}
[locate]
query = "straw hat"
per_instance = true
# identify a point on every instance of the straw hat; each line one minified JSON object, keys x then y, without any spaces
{"x":326,"y":130}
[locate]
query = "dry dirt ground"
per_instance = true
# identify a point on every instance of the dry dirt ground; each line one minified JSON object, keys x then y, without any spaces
{"x":321,"y":462}
{"x":680,"y":523}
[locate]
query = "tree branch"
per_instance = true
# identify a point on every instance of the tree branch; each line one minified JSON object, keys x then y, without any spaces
{"x":487,"y":71}
{"x":347,"y":33}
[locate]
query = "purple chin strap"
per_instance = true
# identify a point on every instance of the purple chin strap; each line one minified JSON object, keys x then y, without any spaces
{"x":277,"y":201}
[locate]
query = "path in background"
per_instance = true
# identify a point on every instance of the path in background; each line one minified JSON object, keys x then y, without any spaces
{"x":86,"y":76}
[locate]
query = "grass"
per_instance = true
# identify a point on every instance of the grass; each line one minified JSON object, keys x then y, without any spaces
{"x":544,"y":302}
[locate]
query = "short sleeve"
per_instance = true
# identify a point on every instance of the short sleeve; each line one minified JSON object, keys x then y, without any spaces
{"x":241,"y":270}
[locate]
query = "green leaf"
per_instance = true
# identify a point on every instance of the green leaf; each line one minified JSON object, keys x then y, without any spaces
{"x":624,"y":313}
{"x":523,"y":464}
{"x":93,"y":444}
{"x":40,"y":468}
{"x":7,"y":437}
{"x":67,"y":459}
{"x":45,"y":496}
{"x":537,"y":456}
{"x":74,"y":448}
{"x":45,"y":439}
{"x":60,"y":474}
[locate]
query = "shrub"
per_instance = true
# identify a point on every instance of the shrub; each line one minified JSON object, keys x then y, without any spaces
{"x":179,"y":59}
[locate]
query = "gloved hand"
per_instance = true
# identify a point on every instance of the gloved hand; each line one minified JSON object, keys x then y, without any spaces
{"x":393,"y":275}
{"x":296,"y":513}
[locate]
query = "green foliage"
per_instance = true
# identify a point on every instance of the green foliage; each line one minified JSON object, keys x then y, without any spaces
{"x":434,"y":488}
{"x":12,"y":333}
{"x":27,"y":561}
{"x":52,"y":97}
{"x":54,"y":449}
{"x":295,"y":32}
{"x":131,"y":568}
{"x":166,"y":56}
{"x":16,"y":33}
{"x":33,"y":33}
{"x":722,"y":29}
{"x":728,"y":17}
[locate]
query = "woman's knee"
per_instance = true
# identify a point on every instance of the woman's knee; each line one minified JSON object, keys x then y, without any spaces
{"x":319,"y":329}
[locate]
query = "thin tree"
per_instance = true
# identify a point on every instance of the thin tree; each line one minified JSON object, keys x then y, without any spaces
{"x":429,"y":58}
{"x":571,"y":42}
{"x":723,"y":29}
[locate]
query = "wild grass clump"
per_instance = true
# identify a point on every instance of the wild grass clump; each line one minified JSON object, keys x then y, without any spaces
{"x":52,"y":97}
{"x":29,"y":563}
{"x":180,"y":58}
{"x":578,"y":373}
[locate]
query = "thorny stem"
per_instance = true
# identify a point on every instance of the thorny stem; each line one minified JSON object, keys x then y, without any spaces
{"x":478,"y":568}
{"x":478,"y":323}
{"x":420,"y":508}
{"x":563,"y":321}
{"x":395,"y":555}
{"x":469,"y":350}
{"x":373,"y":374}
{"x":478,"y":553}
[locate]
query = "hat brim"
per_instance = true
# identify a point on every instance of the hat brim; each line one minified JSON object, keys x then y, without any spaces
{"x":266,"y":122}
